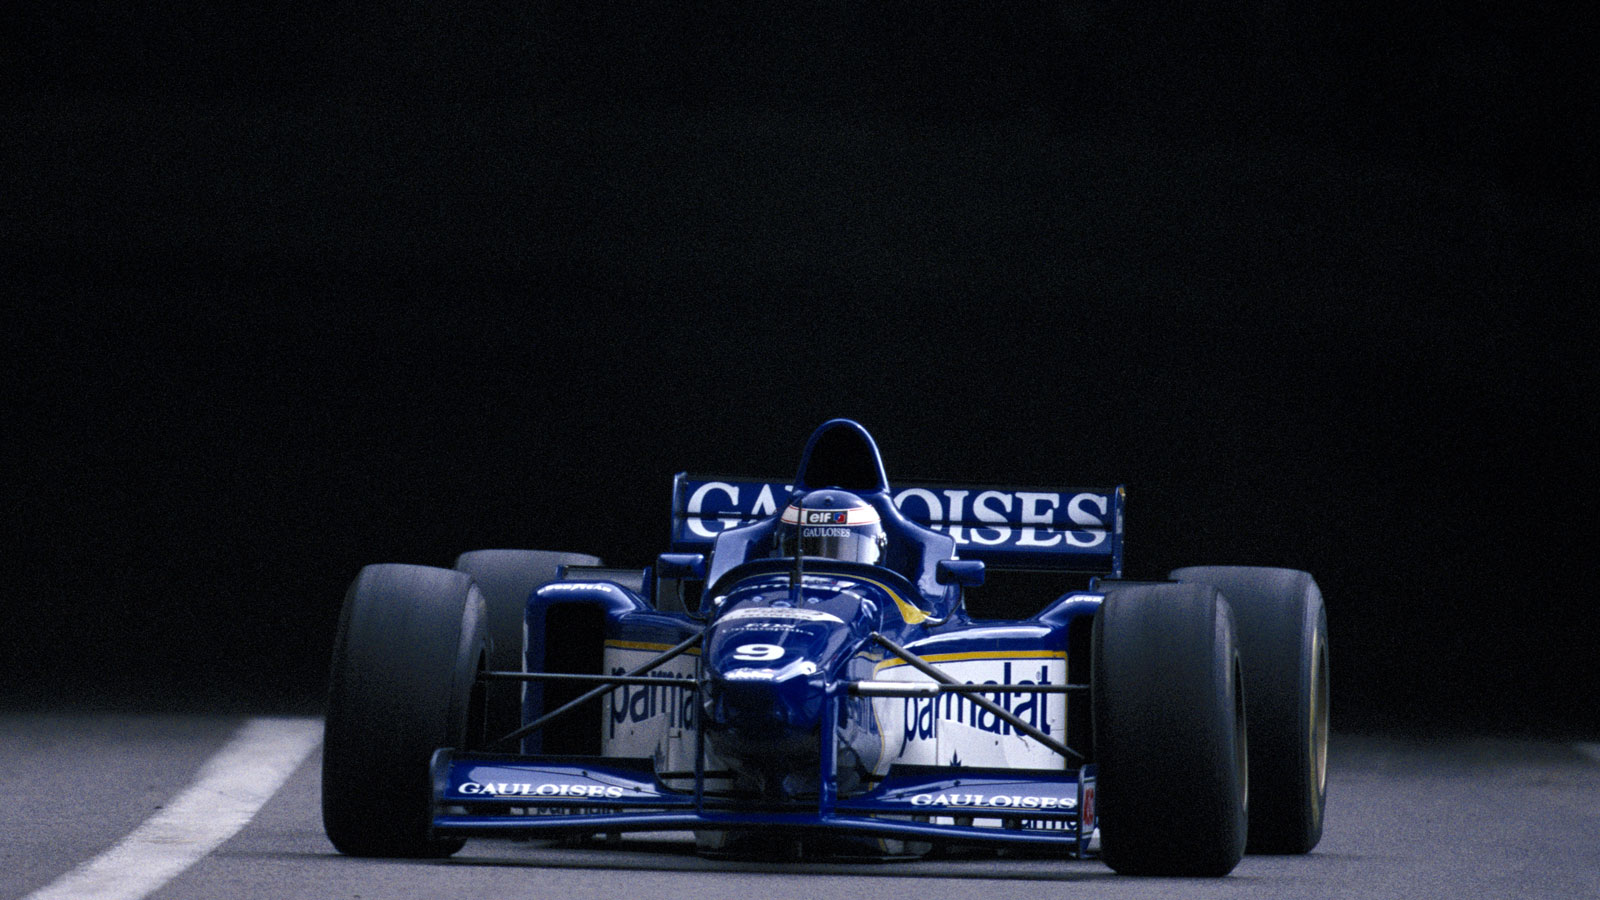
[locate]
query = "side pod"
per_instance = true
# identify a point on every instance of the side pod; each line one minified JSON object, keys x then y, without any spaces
{"x":565,"y":632}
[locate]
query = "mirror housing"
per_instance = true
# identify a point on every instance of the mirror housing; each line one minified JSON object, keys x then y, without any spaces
{"x":681,"y":565}
{"x":965,"y":572}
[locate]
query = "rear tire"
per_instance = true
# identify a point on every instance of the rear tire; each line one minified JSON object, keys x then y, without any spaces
{"x":1283,"y":638}
{"x":506,"y":578}
{"x":1169,"y":726}
{"x":411,"y":641}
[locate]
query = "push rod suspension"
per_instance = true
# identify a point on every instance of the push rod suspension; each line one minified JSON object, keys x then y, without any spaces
{"x":600,"y":691}
{"x":982,"y":702}
{"x":651,"y":680}
{"x":917,"y":689}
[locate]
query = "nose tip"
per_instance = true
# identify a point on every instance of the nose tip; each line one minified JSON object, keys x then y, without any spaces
{"x":736,"y":704}
{"x":762,"y":700}
{"x":763,"y":708}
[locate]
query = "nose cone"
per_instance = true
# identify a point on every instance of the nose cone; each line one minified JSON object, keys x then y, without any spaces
{"x":767,"y":663}
{"x":764,"y":715}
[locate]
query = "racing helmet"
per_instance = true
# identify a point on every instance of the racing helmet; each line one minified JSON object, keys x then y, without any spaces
{"x":834,"y":524}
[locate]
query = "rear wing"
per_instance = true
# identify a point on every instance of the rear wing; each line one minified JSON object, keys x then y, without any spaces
{"x":1040,"y":529}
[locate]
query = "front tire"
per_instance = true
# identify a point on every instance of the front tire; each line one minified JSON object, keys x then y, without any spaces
{"x":410,"y":644}
{"x":1283,"y":638}
{"x":1169,"y":725}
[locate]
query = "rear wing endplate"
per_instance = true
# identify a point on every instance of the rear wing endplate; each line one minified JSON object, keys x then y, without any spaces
{"x":1042,"y":529}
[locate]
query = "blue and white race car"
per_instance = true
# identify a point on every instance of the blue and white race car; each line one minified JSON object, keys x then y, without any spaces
{"x":802,"y":669}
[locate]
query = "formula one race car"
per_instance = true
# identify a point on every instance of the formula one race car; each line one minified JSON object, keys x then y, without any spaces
{"x":802,"y":668}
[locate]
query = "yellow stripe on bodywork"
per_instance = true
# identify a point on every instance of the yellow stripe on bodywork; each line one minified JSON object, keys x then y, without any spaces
{"x":908,"y":611}
{"x":996,"y":656}
{"x":645,"y":645}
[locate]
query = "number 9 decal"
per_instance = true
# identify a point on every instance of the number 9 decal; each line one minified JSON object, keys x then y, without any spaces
{"x":758,"y":652}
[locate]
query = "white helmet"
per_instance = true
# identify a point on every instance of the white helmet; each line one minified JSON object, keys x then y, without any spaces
{"x":833,"y":524}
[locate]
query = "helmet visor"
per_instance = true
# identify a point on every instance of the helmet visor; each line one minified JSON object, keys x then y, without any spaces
{"x":852,"y":543}
{"x":832,"y":524}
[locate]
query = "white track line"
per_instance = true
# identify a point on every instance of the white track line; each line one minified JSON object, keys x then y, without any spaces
{"x":231,"y":787}
{"x":1590,"y":750}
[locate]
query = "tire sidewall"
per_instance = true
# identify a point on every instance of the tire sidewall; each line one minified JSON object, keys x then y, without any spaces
{"x":1283,"y":637}
{"x":411,"y":640}
{"x":1170,"y":742}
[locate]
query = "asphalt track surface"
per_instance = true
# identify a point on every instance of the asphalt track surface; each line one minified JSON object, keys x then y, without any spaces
{"x":1407,"y":818}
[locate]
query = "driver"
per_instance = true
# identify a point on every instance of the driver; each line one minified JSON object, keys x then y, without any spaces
{"x":833,"y":524}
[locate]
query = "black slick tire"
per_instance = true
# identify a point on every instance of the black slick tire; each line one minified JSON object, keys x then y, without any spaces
{"x":411,"y":641}
{"x":1169,"y":725}
{"x":1283,"y":639}
{"x":506,"y":578}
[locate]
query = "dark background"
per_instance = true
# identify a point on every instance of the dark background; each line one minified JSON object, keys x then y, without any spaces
{"x":308,"y":286}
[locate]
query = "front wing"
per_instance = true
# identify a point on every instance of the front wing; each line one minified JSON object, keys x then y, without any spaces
{"x":482,"y":794}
